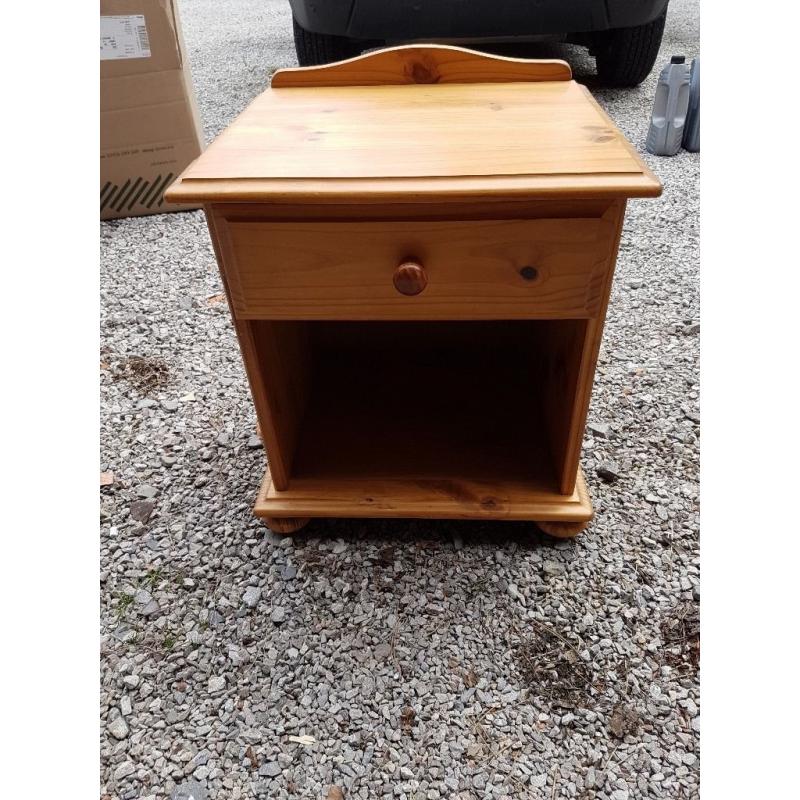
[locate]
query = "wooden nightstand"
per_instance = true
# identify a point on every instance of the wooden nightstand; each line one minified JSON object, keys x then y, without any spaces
{"x":417,"y":246}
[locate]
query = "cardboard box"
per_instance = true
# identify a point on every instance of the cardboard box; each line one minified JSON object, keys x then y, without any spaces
{"x":149,"y":126}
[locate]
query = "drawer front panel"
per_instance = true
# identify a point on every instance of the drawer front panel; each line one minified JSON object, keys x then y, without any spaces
{"x":481,"y":269}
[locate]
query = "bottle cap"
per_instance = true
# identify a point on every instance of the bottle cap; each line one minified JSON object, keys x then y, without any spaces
{"x":678,"y":60}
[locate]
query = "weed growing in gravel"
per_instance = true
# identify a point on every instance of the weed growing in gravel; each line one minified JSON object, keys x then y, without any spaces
{"x":124,"y":602}
{"x":153,"y":578}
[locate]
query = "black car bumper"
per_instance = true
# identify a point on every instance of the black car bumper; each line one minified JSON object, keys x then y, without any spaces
{"x":399,"y":20}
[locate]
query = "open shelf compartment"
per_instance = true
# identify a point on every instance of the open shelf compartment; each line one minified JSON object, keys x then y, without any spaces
{"x":446,"y":418}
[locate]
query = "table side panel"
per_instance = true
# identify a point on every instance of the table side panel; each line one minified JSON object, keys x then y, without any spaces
{"x":583,"y":365}
{"x":276,"y":364}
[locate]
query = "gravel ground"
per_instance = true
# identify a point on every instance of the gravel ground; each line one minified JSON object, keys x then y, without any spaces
{"x":393,"y":659}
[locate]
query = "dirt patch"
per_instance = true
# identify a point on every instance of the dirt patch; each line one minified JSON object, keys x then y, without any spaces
{"x":470,"y":678}
{"x":553,"y":669}
{"x":143,"y":373}
{"x":407,"y":716}
{"x":624,"y":720}
{"x":680,"y":631}
{"x":311,"y":559}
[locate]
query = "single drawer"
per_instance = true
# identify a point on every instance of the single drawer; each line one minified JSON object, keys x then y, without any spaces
{"x":480,"y":269}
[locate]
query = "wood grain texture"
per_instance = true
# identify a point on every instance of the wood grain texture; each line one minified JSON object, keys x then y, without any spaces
{"x":430,"y":499}
{"x":646,"y":171}
{"x":286,"y":525}
{"x":296,"y":192}
{"x":590,"y":350}
{"x":423,"y":64}
{"x":423,"y":208}
{"x":409,"y":278}
{"x":561,"y":348}
{"x":344,"y":270}
{"x":398,"y":142}
{"x":562,"y":530}
{"x":268,"y":419}
{"x":417,"y":132}
{"x":278,"y":192}
{"x":505,"y":183}
{"x":281,"y":356}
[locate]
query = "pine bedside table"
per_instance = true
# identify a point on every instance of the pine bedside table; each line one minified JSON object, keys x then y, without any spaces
{"x":417,"y":247}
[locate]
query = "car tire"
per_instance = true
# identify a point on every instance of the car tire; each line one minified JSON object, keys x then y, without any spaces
{"x":320,"y":48}
{"x":625,"y":56}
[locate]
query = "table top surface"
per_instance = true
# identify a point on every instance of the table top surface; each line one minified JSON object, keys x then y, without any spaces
{"x":500,"y":135}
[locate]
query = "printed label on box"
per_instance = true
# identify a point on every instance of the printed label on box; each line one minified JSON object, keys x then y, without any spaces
{"x":124,"y":37}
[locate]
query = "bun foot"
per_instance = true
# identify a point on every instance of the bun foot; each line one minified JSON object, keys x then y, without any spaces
{"x":562,"y":530}
{"x":285,"y":524}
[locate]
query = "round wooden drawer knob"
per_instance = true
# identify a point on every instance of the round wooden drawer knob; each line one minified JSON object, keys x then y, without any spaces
{"x":410,"y":278}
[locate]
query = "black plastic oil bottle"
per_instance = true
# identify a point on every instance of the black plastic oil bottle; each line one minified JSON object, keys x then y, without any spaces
{"x":691,"y":136}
